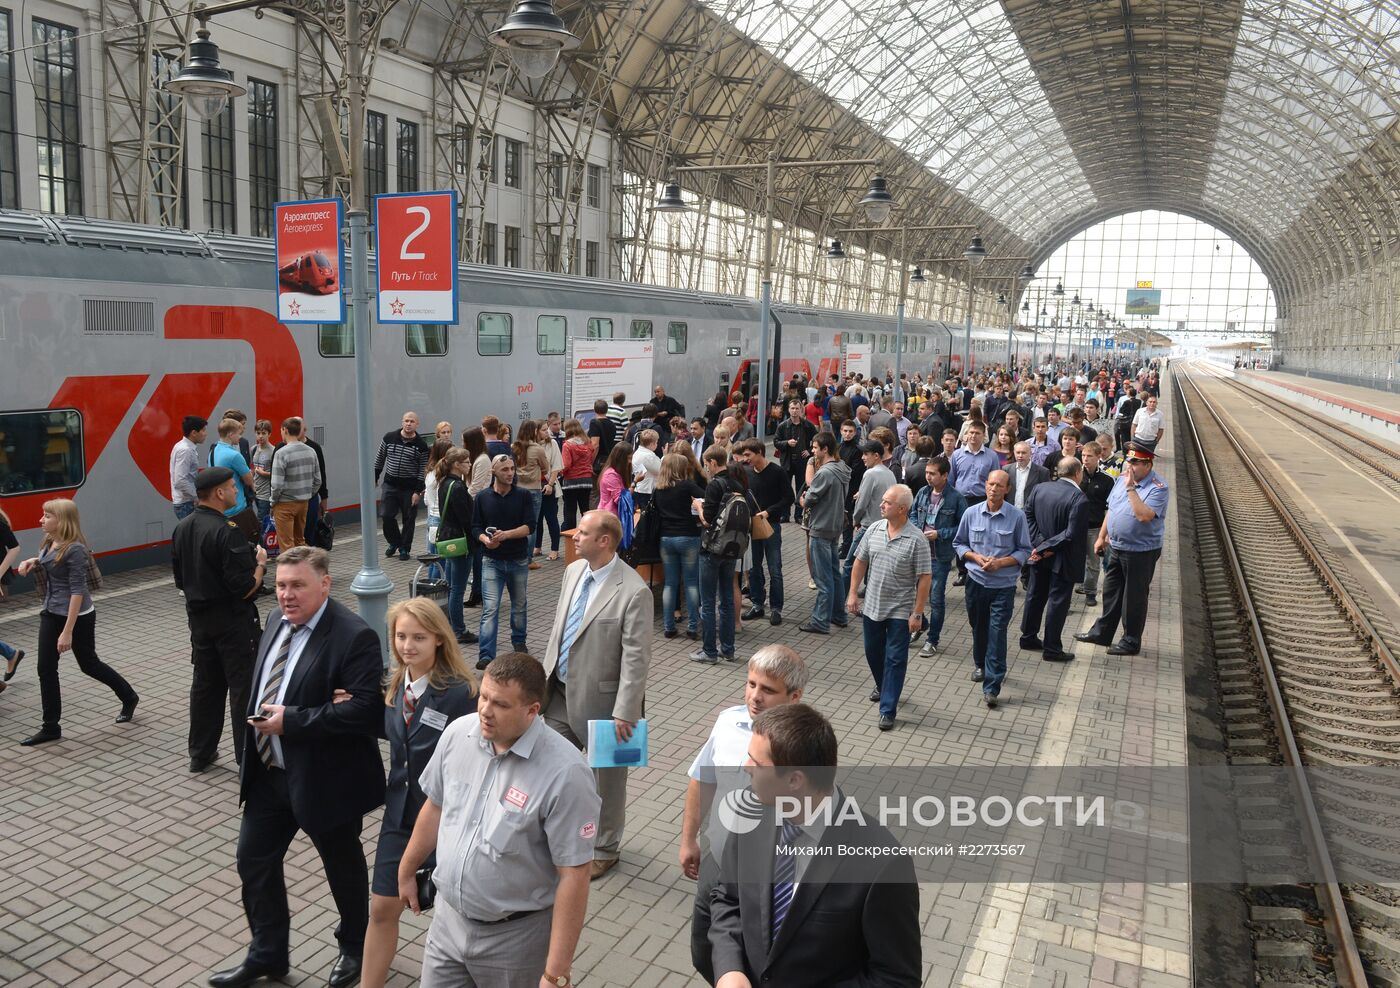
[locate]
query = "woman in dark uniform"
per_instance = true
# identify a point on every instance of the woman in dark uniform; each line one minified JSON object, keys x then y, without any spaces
{"x":440,"y":688}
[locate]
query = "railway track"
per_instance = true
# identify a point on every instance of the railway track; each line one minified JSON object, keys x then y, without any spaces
{"x":1306,"y":682}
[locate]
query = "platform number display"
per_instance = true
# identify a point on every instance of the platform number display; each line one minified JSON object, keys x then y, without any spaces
{"x":415,"y":237}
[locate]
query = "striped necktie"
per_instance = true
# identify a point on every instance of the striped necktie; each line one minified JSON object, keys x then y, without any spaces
{"x":274,"y":687}
{"x":784,"y":878}
{"x":571,"y":627}
{"x":409,"y":705}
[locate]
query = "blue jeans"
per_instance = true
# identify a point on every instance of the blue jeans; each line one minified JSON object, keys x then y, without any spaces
{"x":830,"y":606}
{"x":680,"y":556}
{"x":498,"y":575}
{"x":7,"y":651}
{"x":263,"y":507}
{"x":549,"y":515}
{"x":936,"y":592}
{"x":183,"y":510}
{"x":717,"y":587}
{"x":770,"y":549}
{"x":459,"y":569}
{"x":430,"y":545}
{"x":850,"y":563}
{"x":887,"y":654}
{"x":537,"y":505}
{"x":989,"y":613}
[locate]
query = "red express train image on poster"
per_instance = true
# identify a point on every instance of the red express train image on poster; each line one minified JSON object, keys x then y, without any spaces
{"x":415,"y":248}
{"x":310,"y":261}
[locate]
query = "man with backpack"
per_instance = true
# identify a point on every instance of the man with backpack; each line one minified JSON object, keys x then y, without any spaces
{"x":727,"y":515}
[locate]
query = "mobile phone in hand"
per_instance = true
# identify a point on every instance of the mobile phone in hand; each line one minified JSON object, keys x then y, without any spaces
{"x":258,"y":718}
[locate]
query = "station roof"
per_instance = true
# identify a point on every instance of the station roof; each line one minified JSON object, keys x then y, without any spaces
{"x":1278,"y":121}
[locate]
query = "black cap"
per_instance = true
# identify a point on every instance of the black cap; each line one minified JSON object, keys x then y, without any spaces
{"x":871,"y":446}
{"x":211,"y":477}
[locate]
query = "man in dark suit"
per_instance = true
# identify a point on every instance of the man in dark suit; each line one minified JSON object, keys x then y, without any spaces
{"x":1024,"y":476}
{"x":699,"y":437}
{"x":1057,"y":515}
{"x":312,"y":765}
{"x":810,"y":919}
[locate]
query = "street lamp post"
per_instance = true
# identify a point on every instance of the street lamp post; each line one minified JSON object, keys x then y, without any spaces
{"x":534,"y":35}
{"x":877,"y":204}
{"x":1059,"y":294}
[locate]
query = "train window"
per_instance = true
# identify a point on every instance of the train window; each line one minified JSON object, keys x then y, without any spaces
{"x":40,"y":451}
{"x":336,"y":339}
{"x":860,"y":337}
{"x":845,"y":338}
{"x":641,"y":329}
{"x":425,"y":341}
{"x":923,"y":344}
{"x":493,"y":334}
{"x":884,"y":343}
{"x":600,"y":329}
{"x":677,"y":335}
{"x":550,"y":333}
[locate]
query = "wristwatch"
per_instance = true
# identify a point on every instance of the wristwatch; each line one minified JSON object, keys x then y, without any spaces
{"x":560,"y":980}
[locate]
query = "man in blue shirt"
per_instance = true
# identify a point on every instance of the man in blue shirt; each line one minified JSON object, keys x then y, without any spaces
{"x":503,"y":519}
{"x":995,"y":541}
{"x":970,"y":466}
{"x":227,"y":454}
{"x":1131,"y":537}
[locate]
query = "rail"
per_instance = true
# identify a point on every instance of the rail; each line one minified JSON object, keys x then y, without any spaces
{"x":1347,"y":962}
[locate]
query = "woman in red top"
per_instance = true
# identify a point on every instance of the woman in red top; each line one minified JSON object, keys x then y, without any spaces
{"x":576,"y":480}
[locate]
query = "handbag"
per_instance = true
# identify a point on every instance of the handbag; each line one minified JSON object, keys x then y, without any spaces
{"x":760,"y":528}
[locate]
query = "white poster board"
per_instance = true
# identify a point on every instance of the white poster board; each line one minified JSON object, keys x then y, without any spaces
{"x":858,"y":358}
{"x":602,"y":368}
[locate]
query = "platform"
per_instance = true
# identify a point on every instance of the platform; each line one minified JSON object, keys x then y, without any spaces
{"x":116,"y":864}
{"x":1381,"y":406}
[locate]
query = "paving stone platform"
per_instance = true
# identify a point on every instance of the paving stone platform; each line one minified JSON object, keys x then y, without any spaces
{"x":116,"y":864}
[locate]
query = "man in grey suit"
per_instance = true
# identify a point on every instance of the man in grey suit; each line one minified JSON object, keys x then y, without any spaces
{"x":1057,"y":515}
{"x":596,"y":661}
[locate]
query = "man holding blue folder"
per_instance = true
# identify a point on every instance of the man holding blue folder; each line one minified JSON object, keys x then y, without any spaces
{"x":596,"y":662}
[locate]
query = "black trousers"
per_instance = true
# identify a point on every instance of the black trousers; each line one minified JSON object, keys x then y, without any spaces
{"x":1125,"y":587}
{"x":263,"y":838}
{"x":575,"y":504}
{"x":1050,"y":595}
{"x":397,"y":509}
{"x":85,"y":651}
{"x":701,"y":956}
{"x":223,"y":650}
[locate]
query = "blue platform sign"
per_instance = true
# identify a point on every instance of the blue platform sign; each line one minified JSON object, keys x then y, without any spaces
{"x":1097,"y":341}
{"x":1108,"y":343}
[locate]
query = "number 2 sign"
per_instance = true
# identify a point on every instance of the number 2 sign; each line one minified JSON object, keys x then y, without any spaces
{"x":415,"y":242}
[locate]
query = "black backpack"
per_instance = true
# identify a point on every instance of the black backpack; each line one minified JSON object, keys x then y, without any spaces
{"x":646,"y":537}
{"x":728,"y":537}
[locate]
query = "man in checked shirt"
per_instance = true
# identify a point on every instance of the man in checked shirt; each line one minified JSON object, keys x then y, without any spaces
{"x":512,"y":812}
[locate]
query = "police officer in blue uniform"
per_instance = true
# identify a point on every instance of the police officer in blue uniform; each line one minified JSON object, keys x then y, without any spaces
{"x":1131,"y":542}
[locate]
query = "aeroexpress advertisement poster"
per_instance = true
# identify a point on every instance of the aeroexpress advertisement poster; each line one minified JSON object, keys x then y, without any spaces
{"x":310,"y":261}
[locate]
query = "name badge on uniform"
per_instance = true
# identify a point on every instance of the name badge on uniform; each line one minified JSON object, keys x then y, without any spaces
{"x":435,"y":719}
{"x":517,"y":797}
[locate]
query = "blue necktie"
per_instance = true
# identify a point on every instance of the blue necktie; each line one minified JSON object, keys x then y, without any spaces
{"x":571,"y":626}
{"x":784,"y":878}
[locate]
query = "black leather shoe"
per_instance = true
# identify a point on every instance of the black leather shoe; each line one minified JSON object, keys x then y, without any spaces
{"x":245,"y":974}
{"x":670,"y":634}
{"x":775,"y":618}
{"x":128,"y":709}
{"x":960,"y":580}
{"x":1090,"y":639}
{"x":886,"y":722}
{"x":812,"y":629}
{"x":466,"y":638}
{"x":1053,"y":656}
{"x":481,"y":664}
{"x":473,"y":601}
{"x":874,"y":696}
{"x":345,"y":971}
{"x":751,"y":613}
{"x":1091,"y":600}
{"x":389,"y":552}
{"x":200,"y":764}
{"x":1032,"y":644}
{"x":13,"y":666}
{"x":990,"y":701}
{"x":1118,"y":648}
{"x":978,"y":675}
{"x":43,"y":737}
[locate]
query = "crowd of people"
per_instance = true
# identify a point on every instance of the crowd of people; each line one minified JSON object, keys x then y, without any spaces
{"x":492,"y":815}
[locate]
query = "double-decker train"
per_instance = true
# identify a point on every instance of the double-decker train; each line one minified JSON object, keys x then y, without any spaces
{"x":111,"y":333}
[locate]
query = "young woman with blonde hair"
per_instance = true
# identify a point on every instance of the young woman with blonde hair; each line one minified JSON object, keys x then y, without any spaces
{"x":430,"y":685}
{"x":69,"y":619}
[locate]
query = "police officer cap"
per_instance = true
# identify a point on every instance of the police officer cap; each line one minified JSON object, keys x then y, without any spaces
{"x":1137,"y":450}
{"x":211,"y":477}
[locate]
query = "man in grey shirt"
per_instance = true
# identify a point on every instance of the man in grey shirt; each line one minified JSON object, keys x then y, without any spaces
{"x":877,"y":479}
{"x":296,"y":476}
{"x":512,"y":813}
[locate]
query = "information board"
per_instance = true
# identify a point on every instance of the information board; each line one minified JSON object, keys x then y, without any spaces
{"x":1143,"y":302}
{"x":415,"y":245}
{"x":602,"y":368}
{"x":310,"y":261}
{"x":858,"y":358}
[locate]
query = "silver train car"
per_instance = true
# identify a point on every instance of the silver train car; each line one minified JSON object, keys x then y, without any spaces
{"x":111,"y":333}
